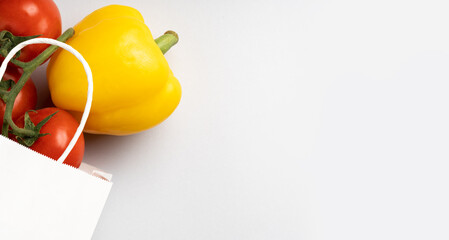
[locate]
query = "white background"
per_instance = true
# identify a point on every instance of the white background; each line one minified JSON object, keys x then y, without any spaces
{"x":299,"y":120}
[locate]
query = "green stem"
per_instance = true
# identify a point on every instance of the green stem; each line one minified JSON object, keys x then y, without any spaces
{"x":166,"y":41}
{"x":28,"y":68}
{"x":3,"y":93}
{"x":18,"y":63}
{"x":33,"y":64}
{"x":9,"y":100}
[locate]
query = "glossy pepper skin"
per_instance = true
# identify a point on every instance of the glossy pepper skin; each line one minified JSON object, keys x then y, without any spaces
{"x":134,"y":88}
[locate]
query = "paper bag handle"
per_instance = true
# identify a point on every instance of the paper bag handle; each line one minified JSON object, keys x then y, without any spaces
{"x":90,"y":85}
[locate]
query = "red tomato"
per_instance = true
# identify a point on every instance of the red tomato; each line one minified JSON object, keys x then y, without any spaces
{"x":28,"y":18}
{"x":25,"y":100}
{"x":61,"y":128}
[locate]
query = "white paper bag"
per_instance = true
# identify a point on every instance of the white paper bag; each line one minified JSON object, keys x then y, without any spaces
{"x":41,"y":198}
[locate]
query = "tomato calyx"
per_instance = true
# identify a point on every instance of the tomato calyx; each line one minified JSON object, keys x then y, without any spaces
{"x":8,"y":41}
{"x":29,"y":140}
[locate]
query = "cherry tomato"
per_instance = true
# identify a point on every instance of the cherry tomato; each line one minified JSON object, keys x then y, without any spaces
{"x":25,"y":100}
{"x":61,"y":128}
{"x":29,"y":18}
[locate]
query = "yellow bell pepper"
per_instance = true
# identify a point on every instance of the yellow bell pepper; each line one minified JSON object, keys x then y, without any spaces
{"x":134,"y":88}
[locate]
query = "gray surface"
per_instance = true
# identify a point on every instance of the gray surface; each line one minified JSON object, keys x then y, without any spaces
{"x":299,"y":120}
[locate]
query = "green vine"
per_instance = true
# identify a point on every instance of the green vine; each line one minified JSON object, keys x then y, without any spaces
{"x":8,"y":41}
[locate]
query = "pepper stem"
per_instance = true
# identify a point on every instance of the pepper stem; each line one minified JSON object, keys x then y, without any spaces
{"x":166,"y":41}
